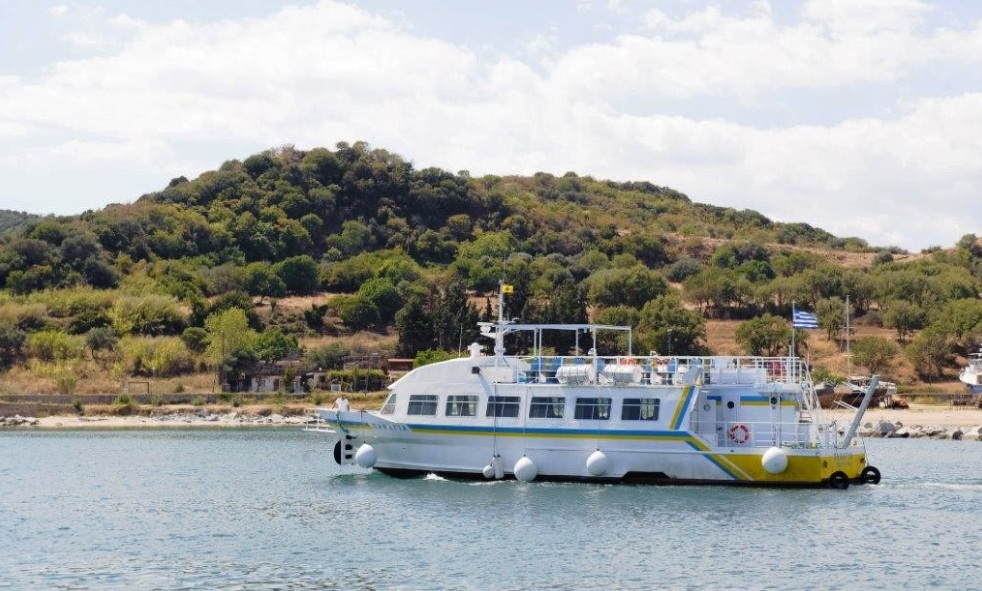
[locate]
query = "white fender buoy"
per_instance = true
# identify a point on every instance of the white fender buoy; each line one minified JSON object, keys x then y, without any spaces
{"x":525,"y":469}
{"x":598,"y":463}
{"x":499,"y":467}
{"x":366,"y":456}
{"x":488,"y":471}
{"x":775,"y":460}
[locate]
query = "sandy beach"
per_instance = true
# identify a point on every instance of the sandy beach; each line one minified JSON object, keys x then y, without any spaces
{"x":921,"y":414}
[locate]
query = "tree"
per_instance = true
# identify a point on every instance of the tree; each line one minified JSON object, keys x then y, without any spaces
{"x":716,"y":289}
{"x":962,"y":321}
{"x":384,"y":295}
{"x":101,"y":339}
{"x":612,"y":341}
{"x":930,"y":352}
{"x":414,"y":323}
{"x":300,"y":274}
{"x":876,"y":354}
{"x":272,"y":345}
{"x":228,"y":332}
{"x":330,"y":356}
{"x":633,"y":286}
{"x":356,"y":312}
{"x":831,"y":317}
{"x":12,"y":341}
{"x":263,"y":282}
{"x":462,"y":316}
{"x":766,"y":335}
{"x":666,"y":326}
{"x":905,"y":317}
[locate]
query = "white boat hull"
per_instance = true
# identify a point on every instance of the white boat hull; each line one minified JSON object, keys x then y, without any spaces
{"x":654,"y":456}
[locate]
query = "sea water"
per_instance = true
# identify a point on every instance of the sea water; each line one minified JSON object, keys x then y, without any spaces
{"x":269,"y":509}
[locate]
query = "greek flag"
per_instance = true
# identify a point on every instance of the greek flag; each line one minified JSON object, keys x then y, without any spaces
{"x":804,"y":320}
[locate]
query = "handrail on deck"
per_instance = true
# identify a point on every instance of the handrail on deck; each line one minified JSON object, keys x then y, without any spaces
{"x":722,"y":369}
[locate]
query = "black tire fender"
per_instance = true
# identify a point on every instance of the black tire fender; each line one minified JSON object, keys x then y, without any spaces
{"x":838,"y":480}
{"x":870,"y":475}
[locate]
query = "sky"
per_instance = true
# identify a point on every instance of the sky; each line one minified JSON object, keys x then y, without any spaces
{"x":861,"y":117}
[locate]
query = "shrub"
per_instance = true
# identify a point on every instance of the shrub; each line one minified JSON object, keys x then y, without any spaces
{"x":64,"y":303}
{"x":159,"y":356}
{"x":123,"y":405}
{"x":55,"y":346}
{"x":330,"y":356}
{"x":429,"y":356}
{"x":150,"y":315}
{"x":27,"y":317}
{"x":65,"y":380}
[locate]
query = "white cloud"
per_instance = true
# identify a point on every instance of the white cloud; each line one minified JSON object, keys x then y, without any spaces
{"x":854,"y":18}
{"x":329,"y":72}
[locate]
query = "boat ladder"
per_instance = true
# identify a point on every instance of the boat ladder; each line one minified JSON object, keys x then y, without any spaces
{"x":315,"y":423}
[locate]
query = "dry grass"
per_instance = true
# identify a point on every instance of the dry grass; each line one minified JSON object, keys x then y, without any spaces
{"x":361,"y":341}
{"x":91,"y":378}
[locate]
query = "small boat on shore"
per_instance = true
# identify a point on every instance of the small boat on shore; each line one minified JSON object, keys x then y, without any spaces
{"x":971,"y":374}
{"x":849,"y":394}
{"x":603,"y":417}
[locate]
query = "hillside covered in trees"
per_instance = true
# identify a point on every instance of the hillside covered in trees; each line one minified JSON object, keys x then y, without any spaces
{"x":195,"y":277}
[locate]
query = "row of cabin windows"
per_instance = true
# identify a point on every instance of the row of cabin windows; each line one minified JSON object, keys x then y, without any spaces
{"x":547,"y":407}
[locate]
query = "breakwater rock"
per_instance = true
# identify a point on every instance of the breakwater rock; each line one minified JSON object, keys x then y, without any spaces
{"x":18,"y":421}
{"x":897,"y":429}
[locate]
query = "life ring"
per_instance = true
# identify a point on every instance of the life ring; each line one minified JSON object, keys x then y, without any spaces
{"x":870,"y":475}
{"x":739,"y":433}
{"x":839,"y":480}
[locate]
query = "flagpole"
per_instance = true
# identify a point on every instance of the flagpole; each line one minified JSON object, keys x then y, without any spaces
{"x":792,"y":328}
{"x":501,"y":301}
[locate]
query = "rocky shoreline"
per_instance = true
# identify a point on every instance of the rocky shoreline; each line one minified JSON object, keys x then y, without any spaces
{"x":153,"y":420}
{"x":898,"y":430}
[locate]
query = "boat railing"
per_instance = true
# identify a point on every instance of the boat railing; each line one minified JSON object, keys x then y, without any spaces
{"x":657,"y":369}
{"x":755,"y":434}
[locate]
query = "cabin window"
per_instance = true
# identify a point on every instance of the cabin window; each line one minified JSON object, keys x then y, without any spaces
{"x":593,"y":409}
{"x":503,"y":406}
{"x":461,"y":406}
{"x":422,"y":404}
{"x":640,"y":409}
{"x":390,"y":405}
{"x":548,"y":407}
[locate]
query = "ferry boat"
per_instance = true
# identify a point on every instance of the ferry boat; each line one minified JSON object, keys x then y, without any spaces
{"x":604,"y":418}
{"x":971,"y":374}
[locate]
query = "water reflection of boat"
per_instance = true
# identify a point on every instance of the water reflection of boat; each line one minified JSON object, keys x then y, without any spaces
{"x":971,"y":374}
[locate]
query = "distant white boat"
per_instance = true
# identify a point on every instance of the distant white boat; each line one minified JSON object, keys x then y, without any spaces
{"x":603,"y":417}
{"x":972,"y":373}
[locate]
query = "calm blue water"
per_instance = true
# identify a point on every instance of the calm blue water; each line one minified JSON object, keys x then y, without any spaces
{"x":268,"y":509}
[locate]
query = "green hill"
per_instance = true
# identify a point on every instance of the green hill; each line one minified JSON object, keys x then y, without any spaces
{"x":415,"y":252}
